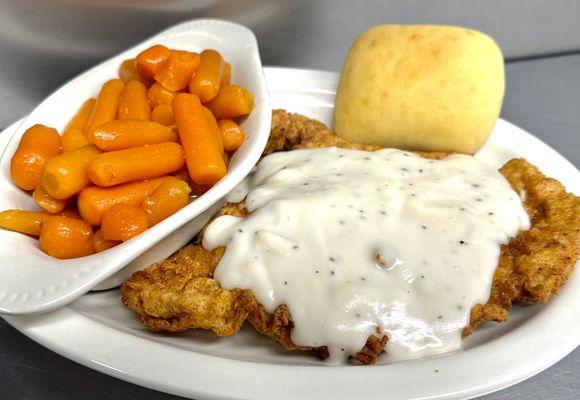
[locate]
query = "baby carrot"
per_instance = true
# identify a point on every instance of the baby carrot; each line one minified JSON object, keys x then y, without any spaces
{"x":133,"y":103}
{"x":23,"y":221}
{"x":163,"y":114}
{"x":202,"y":153}
{"x":38,"y":144}
{"x":128,"y":72}
{"x":123,"y":134}
{"x":102,"y":244}
{"x":47,"y":203}
{"x":206,"y":81}
{"x":73,"y":139}
{"x":29,"y":222}
{"x":157,"y":95}
{"x":149,"y":60}
{"x":227,"y":74}
{"x":81,"y":118}
{"x":167,"y":199}
{"x":233,"y":134}
{"x":66,"y":174}
{"x":123,"y":222}
{"x":176,"y":73}
{"x":214,"y":128}
{"x":63,"y":237}
{"x":135,"y":164}
{"x":94,"y":201}
{"x":107,"y":104}
{"x":231,"y":101}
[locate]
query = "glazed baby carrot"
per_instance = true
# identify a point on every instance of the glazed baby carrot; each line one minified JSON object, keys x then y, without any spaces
{"x":227,"y":74}
{"x":133,"y":102}
{"x":38,"y":144}
{"x":47,"y":203}
{"x":206,"y":81}
{"x":123,"y":222}
{"x":102,"y":244}
{"x":135,"y":164}
{"x":157,"y":95}
{"x":94,"y":201}
{"x":81,"y":118}
{"x":176,"y":72}
{"x":203,"y":155}
{"x":66,"y":174}
{"x":63,"y":237}
{"x":231,"y":101}
{"x":128,"y":72}
{"x":233,"y":134}
{"x":23,"y":221}
{"x":73,"y":139}
{"x":123,"y":134}
{"x":107,"y":104}
{"x":167,"y":199}
{"x":149,"y":60}
{"x":163,"y":114}
{"x":214,"y":128}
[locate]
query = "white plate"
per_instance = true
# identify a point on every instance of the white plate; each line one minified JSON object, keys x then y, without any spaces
{"x":97,"y":330}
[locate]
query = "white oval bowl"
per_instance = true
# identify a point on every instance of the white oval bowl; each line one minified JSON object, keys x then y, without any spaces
{"x":34,"y":282}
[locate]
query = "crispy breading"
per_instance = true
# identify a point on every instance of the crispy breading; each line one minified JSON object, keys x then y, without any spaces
{"x":179,"y":293}
{"x":536,"y":263}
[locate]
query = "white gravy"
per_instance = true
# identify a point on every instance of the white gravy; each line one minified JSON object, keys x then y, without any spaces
{"x":360,"y":243}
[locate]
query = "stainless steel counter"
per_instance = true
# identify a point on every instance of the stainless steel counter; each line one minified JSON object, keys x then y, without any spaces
{"x":44,"y":43}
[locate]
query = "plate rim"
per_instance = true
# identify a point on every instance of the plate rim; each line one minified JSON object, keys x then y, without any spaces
{"x":55,"y":331}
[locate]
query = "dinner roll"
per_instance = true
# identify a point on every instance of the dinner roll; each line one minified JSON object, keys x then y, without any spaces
{"x":420,"y":87}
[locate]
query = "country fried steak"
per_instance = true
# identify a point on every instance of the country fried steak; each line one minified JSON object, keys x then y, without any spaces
{"x":180,"y":293}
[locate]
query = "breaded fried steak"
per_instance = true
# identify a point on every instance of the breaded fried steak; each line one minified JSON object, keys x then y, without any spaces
{"x":180,"y":293}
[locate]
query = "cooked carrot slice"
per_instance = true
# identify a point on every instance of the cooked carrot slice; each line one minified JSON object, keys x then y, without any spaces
{"x":66,"y":174}
{"x":63,"y":237}
{"x":122,"y":222}
{"x":23,"y":221}
{"x":133,"y":103}
{"x":128,"y":72}
{"x":81,"y":118}
{"x":38,"y":145}
{"x":233,"y":134}
{"x":135,"y":164}
{"x":202,"y":153}
{"x":158,"y":95}
{"x":149,"y":60}
{"x":124,"y":134}
{"x":107,"y":104}
{"x":167,"y":199}
{"x":232,"y":101}
{"x":206,"y":81}
{"x":94,"y":201}
{"x":47,"y":203}
{"x":176,"y":73}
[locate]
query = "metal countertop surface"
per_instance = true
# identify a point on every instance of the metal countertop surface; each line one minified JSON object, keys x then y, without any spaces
{"x":42,"y":49}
